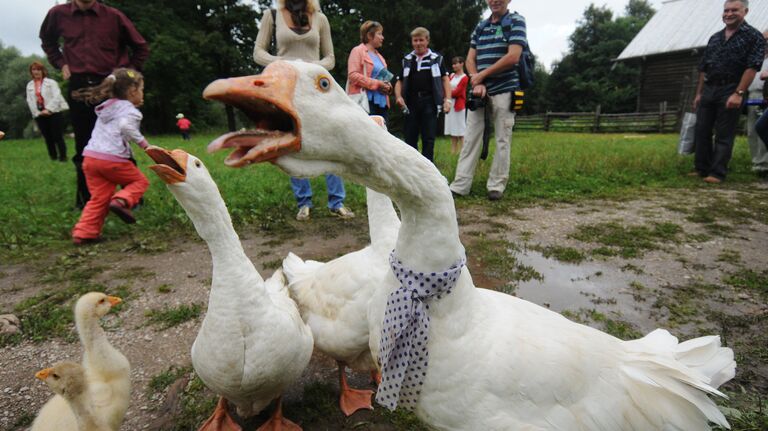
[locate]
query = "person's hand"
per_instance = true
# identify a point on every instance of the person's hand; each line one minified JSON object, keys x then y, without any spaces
{"x":65,"y":73}
{"x":400,"y":101}
{"x":734,"y":102}
{"x":447,"y":105}
{"x":764,"y":75}
{"x":479,"y":91}
{"x":477,"y":79}
{"x":385,"y":87}
{"x":696,"y":102}
{"x":45,"y":112}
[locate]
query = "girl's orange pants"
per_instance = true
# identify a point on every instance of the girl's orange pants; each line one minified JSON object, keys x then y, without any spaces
{"x":103,"y":177}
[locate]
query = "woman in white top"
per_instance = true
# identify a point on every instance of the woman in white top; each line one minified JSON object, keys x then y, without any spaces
{"x":46,"y":104}
{"x":302,"y":32}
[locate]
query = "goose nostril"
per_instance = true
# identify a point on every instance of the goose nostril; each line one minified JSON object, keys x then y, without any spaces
{"x":258,"y":83}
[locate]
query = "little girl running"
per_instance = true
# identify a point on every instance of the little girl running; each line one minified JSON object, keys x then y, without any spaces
{"x":107,"y":157}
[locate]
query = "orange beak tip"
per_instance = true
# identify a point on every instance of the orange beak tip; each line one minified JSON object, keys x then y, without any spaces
{"x":114,"y":300}
{"x":43,"y":374}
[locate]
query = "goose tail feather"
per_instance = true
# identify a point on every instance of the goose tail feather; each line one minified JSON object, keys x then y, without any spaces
{"x":679,"y":377}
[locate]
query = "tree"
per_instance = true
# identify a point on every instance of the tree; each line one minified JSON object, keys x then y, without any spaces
{"x":192,"y":42}
{"x":588,"y":76}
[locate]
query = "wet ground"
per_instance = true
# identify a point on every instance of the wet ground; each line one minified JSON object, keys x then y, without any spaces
{"x":684,"y":284}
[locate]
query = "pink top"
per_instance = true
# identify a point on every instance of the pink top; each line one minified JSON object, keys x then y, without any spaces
{"x":357,"y":80}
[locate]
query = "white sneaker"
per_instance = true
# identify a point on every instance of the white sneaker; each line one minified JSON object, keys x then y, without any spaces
{"x":303,"y":214}
{"x":343,"y":212}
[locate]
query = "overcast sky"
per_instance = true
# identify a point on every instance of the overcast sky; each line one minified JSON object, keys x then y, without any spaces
{"x":550,"y":22}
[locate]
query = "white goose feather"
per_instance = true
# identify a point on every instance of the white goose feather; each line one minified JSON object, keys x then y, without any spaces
{"x":496,"y":362}
{"x":333,"y":297}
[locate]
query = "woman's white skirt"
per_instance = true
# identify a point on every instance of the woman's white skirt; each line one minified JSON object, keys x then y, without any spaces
{"x":455,"y":123}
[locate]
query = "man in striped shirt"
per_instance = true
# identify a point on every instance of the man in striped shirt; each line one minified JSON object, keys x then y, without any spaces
{"x":494,"y":51}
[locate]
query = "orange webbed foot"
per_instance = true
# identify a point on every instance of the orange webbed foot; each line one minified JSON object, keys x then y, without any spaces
{"x":277,"y":422}
{"x":353,"y":400}
{"x":220,"y":420}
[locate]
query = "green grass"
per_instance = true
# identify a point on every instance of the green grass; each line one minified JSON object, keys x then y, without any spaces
{"x":627,"y":241}
{"x":545,"y":167}
{"x":169,"y":317}
{"x":564,"y":254}
{"x":160,"y":382}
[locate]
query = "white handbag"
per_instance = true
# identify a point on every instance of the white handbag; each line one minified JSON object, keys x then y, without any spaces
{"x":361,"y":98}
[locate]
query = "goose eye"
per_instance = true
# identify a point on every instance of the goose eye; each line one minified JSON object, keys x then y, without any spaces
{"x":323,"y":83}
{"x":197,"y":163}
{"x":101,"y":301}
{"x":55,"y":376}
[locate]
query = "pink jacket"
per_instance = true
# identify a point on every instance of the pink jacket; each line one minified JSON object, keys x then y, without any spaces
{"x":357,"y":80}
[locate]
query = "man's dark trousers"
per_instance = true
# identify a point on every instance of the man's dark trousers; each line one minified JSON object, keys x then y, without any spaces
{"x":422,"y":119}
{"x":712,"y":160}
{"x":761,"y":127}
{"x":83,"y":120}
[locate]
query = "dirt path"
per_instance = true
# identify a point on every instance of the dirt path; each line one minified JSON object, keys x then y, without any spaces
{"x":707,"y":275}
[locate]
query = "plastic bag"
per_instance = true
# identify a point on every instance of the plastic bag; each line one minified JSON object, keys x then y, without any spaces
{"x":687,"y":133}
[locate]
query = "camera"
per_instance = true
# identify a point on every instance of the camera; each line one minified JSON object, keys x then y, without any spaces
{"x":474,"y":102}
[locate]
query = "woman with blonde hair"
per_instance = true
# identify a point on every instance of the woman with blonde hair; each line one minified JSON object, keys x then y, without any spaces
{"x":46,"y":104}
{"x":302,"y":32}
{"x":365,"y":66}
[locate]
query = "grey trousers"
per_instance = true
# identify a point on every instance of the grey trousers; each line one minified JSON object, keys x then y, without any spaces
{"x":503,"y":122}
{"x":756,"y":145}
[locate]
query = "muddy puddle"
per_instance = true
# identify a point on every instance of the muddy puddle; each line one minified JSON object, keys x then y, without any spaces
{"x":587,"y":285}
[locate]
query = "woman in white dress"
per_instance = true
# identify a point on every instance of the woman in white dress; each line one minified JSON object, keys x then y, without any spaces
{"x":456,"y":118}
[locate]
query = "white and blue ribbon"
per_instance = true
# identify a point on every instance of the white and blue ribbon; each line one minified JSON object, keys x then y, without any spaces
{"x":403,"y":353}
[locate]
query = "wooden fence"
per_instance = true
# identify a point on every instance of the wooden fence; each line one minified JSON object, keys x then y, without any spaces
{"x":663,"y":121}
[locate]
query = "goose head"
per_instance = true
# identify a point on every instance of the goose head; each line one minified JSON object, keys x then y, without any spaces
{"x":302,"y":119}
{"x":185,"y":175}
{"x":95,"y":305}
{"x":304,"y":123}
{"x":65,"y":378}
{"x":191,"y":184}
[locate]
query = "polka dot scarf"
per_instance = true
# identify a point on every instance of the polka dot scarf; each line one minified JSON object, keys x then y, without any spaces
{"x":403,"y":351}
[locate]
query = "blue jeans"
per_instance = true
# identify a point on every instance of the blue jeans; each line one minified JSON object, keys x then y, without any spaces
{"x":303,"y":191}
{"x":762,"y":128}
{"x":422,"y":120}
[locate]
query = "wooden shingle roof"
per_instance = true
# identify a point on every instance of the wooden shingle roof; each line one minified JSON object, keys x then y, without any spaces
{"x":682,"y":25}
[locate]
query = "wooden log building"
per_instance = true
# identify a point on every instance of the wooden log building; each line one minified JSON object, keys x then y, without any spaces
{"x":670,"y":46}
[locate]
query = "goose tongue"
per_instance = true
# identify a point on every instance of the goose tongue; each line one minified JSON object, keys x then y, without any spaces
{"x":254,"y":146}
{"x":266,"y":99}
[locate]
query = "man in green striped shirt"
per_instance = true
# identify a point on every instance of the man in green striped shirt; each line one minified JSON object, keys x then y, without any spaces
{"x":494,"y":51}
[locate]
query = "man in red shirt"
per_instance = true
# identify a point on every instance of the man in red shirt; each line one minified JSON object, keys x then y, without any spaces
{"x":97,"y":39}
{"x":183,"y":124}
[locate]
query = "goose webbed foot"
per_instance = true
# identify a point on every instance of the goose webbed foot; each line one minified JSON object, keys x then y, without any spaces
{"x":220,"y":420}
{"x":277,"y":422}
{"x":352,"y":400}
{"x":376,"y":377}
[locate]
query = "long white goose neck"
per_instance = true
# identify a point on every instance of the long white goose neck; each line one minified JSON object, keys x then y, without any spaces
{"x":429,"y":233}
{"x":231,"y":266}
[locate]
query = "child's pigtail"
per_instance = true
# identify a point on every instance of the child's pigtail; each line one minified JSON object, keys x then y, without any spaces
{"x":117,"y":84}
{"x":97,"y":94}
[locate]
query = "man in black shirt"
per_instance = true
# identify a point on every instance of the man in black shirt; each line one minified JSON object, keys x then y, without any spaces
{"x":422,"y":90}
{"x":732,"y":58}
